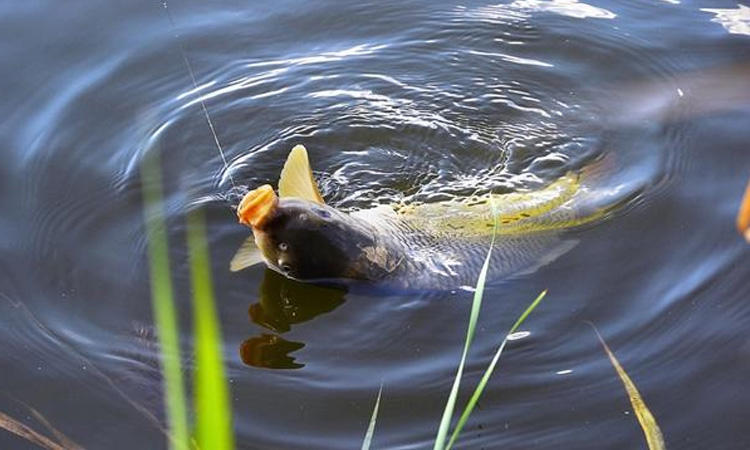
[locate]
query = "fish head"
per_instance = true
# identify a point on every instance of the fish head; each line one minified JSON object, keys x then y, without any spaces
{"x":298,"y":235}
{"x":303,"y":239}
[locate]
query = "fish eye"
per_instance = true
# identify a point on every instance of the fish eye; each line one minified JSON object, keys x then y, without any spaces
{"x":283,"y":246}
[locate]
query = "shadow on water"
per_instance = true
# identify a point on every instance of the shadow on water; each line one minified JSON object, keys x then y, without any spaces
{"x":283,"y":303}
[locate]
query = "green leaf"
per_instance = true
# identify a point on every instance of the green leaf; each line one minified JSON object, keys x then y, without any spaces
{"x":163,"y":303}
{"x":213,"y":409}
{"x":487,"y":373}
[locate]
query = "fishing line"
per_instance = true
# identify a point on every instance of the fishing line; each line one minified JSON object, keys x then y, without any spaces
{"x":195,"y":86}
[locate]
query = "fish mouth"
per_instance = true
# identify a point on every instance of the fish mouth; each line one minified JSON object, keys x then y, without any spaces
{"x":257,"y":206}
{"x":269,"y":256}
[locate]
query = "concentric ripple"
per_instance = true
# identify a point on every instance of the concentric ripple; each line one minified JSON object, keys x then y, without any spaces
{"x":396,"y":101}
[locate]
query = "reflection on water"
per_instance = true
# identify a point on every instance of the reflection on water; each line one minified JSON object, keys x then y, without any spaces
{"x":736,"y":21}
{"x":570,"y":8}
{"x":270,"y":351}
{"x":282,"y":303}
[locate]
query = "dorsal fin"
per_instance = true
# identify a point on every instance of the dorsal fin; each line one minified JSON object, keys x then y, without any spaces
{"x":296,"y":178}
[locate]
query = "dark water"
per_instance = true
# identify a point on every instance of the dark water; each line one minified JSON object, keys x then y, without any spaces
{"x":394,"y":100}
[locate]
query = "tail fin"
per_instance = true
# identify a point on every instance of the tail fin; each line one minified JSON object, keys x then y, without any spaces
{"x":599,"y":169}
{"x":584,"y":200}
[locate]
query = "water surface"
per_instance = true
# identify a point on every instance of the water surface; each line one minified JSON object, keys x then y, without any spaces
{"x":407,"y":100}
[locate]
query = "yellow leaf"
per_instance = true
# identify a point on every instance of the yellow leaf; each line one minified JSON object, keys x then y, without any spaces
{"x":651,"y":429}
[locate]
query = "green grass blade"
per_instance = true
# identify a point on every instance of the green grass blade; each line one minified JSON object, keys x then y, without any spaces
{"x":526,"y":312}
{"x":213,"y":409}
{"x":651,"y":430}
{"x":476,"y":304}
{"x":487,"y":373}
{"x":371,"y":427}
{"x":163,"y":303}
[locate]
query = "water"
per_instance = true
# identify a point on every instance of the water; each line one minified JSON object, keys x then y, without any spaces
{"x":409,"y":100}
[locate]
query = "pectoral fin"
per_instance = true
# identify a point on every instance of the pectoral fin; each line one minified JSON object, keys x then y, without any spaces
{"x":247,"y":255}
{"x":297,"y":179}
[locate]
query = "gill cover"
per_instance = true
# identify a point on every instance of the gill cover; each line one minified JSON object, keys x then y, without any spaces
{"x":296,"y":180}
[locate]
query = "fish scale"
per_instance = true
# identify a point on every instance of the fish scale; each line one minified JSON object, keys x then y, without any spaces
{"x":446,"y":260}
{"x":515,"y":213}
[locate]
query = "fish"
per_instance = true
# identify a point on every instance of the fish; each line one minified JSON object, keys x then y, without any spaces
{"x":416,"y":245}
